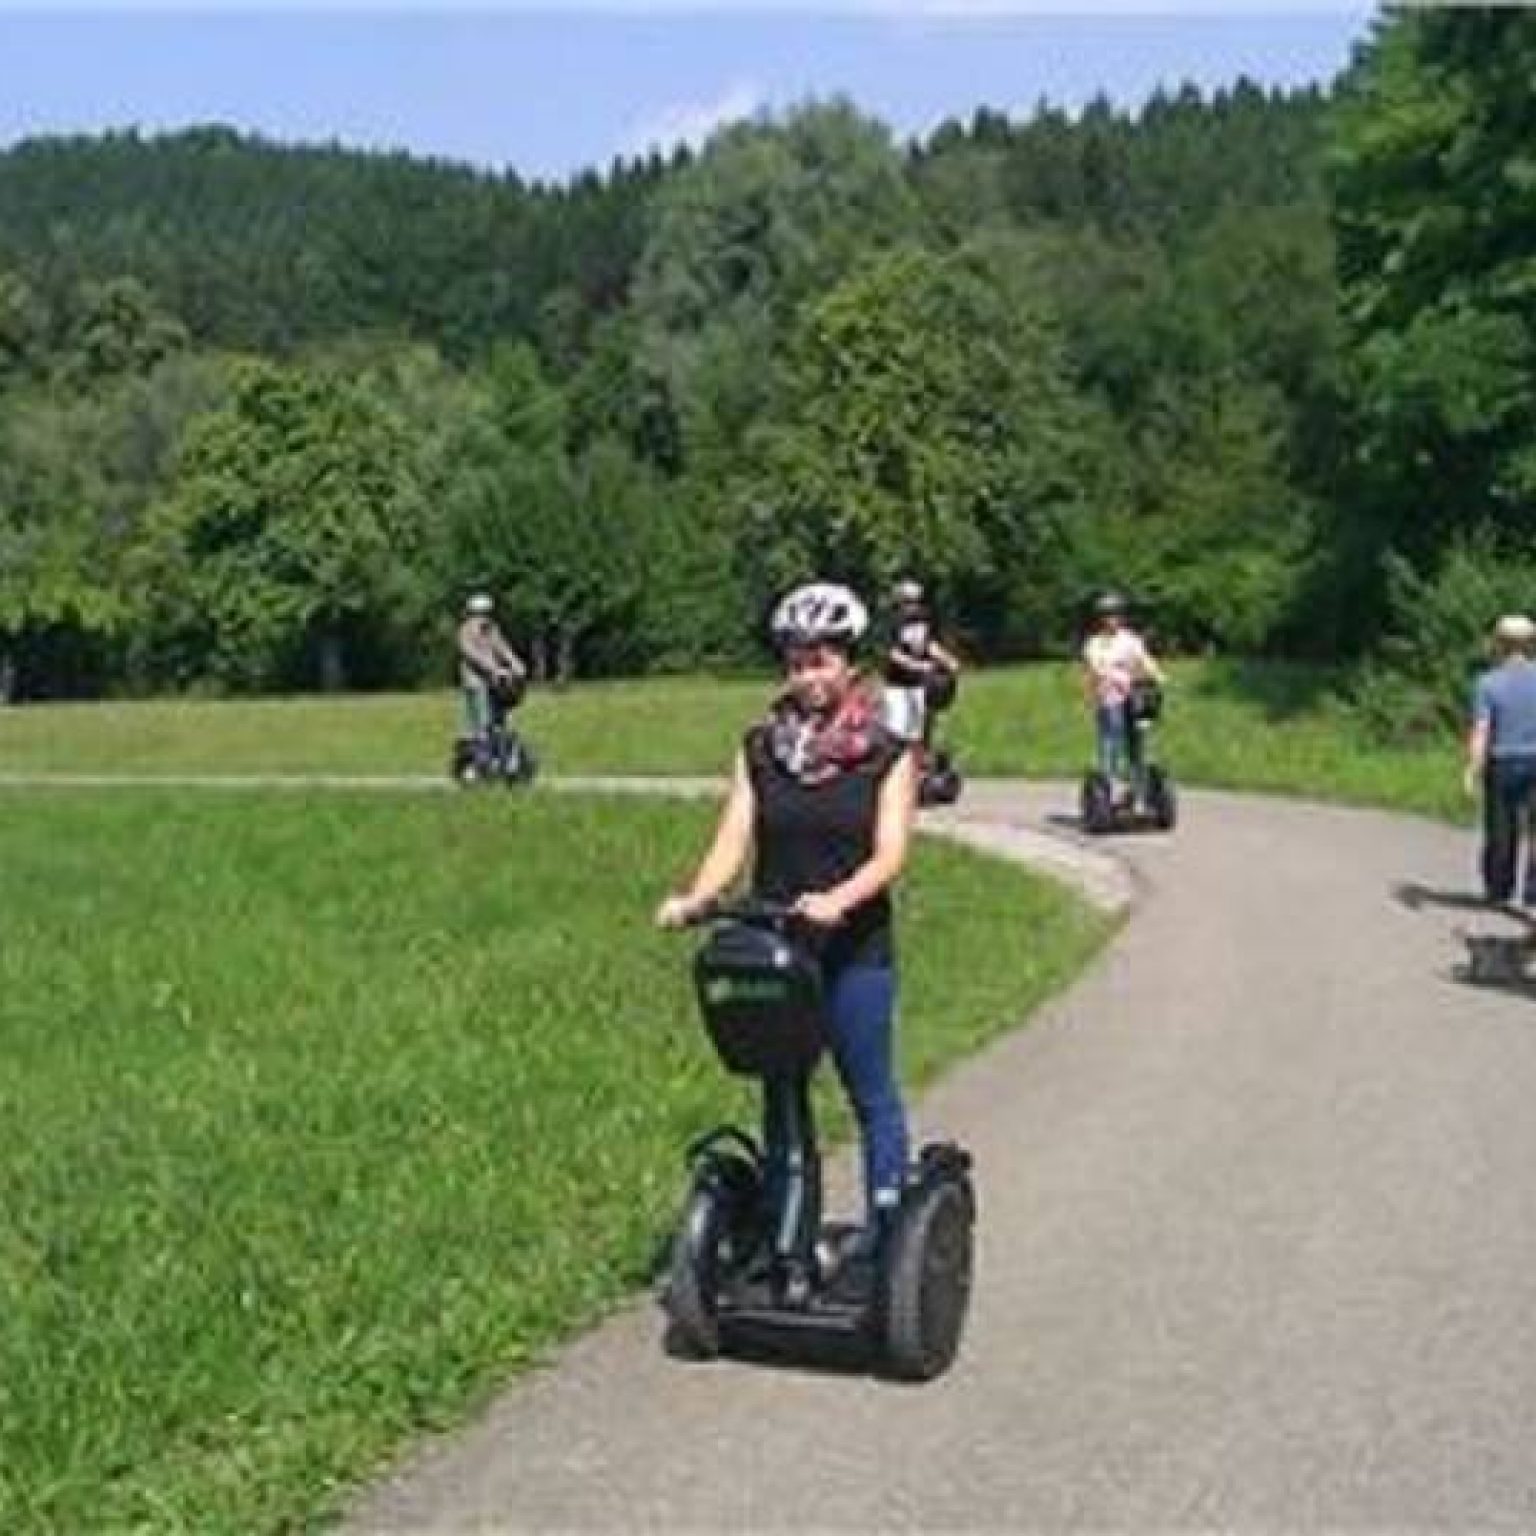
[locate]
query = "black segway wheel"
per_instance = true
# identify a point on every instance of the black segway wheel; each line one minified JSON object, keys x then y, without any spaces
{"x":519,"y":765}
{"x":927,"y":1282}
{"x":940,"y":782}
{"x":691,"y":1297}
{"x":1162,"y":800}
{"x":461,"y":764}
{"x":1098,"y":804}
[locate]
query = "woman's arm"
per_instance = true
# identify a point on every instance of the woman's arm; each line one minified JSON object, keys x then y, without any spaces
{"x":1091,"y":674}
{"x":507,"y":657}
{"x":1149,"y":664}
{"x":894,"y":815}
{"x":726,"y":857}
{"x":945,"y":657}
{"x":908,"y":661}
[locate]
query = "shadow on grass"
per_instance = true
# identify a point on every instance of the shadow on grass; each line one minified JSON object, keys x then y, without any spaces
{"x":1282,"y":690}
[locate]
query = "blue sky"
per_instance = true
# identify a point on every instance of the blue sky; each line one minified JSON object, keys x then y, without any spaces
{"x":548,"y":94}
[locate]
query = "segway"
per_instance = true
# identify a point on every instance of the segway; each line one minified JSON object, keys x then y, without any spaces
{"x":501,"y":755}
{"x":1153,"y":800}
{"x":1499,"y":960}
{"x":748,"y":1257}
{"x":939,"y":782}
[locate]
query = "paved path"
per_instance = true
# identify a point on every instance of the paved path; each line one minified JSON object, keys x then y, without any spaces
{"x":1257,"y":1245}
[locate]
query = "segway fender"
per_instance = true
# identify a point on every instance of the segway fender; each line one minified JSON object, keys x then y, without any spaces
{"x":944,"y":1162}
{"x":726,"y":1156}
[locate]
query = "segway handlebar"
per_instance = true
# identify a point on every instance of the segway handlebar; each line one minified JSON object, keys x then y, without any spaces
{"x":755,"y":911}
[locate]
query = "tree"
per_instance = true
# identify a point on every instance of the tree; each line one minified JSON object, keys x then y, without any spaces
{"x":76,"y":473}
{"x":283,"y":536}
{"x":769,"y":214}
{"x":1211,"y":536}
{"x":119,"y":329}
{"x":557,"y":534}
{"x":23,"y":328}
{"x":52,"y":575}
{"x":1434,"y":181}
{"x":931,"y":429}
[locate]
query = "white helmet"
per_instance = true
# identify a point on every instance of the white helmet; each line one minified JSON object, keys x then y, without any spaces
{"x":820,"y":613}
{"x":479,"y":603}
{"x":908,"y":592}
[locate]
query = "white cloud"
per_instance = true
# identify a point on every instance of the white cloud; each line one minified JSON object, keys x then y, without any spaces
{"x":691,"y":122}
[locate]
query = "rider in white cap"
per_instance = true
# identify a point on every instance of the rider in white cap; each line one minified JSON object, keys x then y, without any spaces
{"x":491,"y":673}
{"x":1501,"y":755}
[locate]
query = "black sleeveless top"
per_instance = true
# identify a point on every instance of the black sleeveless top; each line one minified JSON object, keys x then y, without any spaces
{"x":810,"y":837}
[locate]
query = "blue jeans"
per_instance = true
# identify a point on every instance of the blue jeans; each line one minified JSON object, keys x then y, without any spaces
{"x":861,"y":1001}
{"x":1509,"y":799}
{"x":479,"y":709}
{"x":1119,"y":742}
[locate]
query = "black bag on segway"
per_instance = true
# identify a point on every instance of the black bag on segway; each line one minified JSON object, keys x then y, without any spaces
{"x":761,"y":997}
{"x":508,"y":690}
{"x":1145,"y":702}
{"x":941,"y":690}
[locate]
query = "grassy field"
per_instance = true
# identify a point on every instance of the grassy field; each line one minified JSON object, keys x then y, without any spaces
{"x":320,"y":1114}
{"x":1246,"y":726}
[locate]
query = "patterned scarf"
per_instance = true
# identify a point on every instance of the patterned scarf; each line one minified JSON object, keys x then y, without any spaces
{"x":814,"y":748}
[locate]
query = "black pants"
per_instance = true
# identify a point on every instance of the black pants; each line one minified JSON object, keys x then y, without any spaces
{"x":1509,"y":801}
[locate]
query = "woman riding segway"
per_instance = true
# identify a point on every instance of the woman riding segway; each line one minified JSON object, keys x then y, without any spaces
{"x":822,"y":801}
{"x":1124,"y":683}
{"x":822,"y":796}
{"x":921,"y":679}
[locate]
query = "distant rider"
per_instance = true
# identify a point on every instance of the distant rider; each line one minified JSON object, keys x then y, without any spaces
{"x":1501,"y":755}
{"x":1115,"y":660}
{"x":913,"y":664}
{"x":491,"y":673}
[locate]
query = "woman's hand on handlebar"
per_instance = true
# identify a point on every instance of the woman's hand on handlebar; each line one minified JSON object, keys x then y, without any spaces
{"x":678,"y":911}
{"x":820,"y":908}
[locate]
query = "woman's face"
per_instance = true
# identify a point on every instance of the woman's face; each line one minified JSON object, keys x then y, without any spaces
{"x":818,"y":675}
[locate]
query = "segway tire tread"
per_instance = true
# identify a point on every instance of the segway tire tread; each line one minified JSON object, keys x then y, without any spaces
{"x":1098,"y":807}
{"x":927,"y":1283}
{"x":1162,"y":800}
{"x":690,"y":1297}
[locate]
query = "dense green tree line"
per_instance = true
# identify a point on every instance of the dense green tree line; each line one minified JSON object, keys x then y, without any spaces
{"x":1432,"y":167}
{"x":267,"y":412}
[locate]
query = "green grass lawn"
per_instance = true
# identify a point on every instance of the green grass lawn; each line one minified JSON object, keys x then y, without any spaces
{"x":1239,"y":725}
{"x":323,"y":1113}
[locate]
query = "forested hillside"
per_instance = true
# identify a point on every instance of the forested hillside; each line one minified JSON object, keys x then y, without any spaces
{"x":1262,"y":358}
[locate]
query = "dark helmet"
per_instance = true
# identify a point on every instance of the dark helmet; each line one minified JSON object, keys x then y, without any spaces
{"x":819,"y":613}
